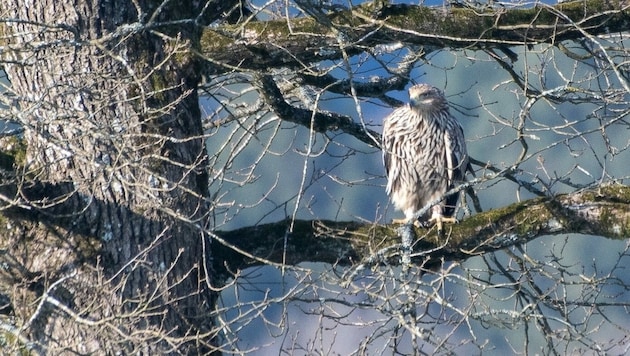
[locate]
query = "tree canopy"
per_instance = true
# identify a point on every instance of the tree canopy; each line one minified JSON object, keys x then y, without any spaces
{"x":185,"y":177}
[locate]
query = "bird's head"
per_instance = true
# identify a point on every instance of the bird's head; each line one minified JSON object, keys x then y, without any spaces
{"x":424,"y":97}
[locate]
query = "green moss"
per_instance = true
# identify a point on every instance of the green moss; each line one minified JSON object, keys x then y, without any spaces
{"x":593,"y":6}
{"x":539,"y":16}
{"x":613,"y":223}
{"x":11,"y":344}
{"x":615,"y":193}
{"x":13,"y":154}
{"x":350,"y":242}
{"x":415,"y":15}
{"x":159,"y":85}
{"x":212,"y":41}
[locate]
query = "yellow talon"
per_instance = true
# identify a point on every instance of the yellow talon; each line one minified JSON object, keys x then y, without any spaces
{"x":439,"y":221}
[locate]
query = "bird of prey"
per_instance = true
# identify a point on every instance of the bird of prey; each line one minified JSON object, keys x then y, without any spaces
{"x":425,"y":156}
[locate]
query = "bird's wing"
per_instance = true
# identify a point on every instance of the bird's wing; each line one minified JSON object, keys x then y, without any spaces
{"x":386,"y":147}
{"x":392,"y":169}
{"x":456,"y":155}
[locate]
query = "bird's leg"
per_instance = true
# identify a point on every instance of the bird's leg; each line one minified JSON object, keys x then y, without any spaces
{"x":440,"y":219}
{"x":416,"y":223}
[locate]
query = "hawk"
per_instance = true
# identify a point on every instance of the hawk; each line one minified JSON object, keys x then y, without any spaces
{"x":425,"y":156}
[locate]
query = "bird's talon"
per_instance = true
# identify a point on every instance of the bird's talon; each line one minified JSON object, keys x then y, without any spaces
{"x":416,"y":222}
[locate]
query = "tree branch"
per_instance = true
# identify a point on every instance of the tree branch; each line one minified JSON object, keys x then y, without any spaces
{"x":603,"y":211}
{"x":265,"y":44}
{"x":322,"y":121}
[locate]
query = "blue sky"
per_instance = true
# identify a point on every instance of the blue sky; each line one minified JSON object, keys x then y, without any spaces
{"x":335,"y":176}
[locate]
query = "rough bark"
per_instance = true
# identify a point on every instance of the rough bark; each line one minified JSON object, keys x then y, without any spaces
{"x":603,"y":211}
{"x":111,"y":251}
{"x":104,"y":247}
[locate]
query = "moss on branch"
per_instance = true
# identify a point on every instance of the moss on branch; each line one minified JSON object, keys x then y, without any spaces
{"x":263,"y":44}
{"x":603,"y":211}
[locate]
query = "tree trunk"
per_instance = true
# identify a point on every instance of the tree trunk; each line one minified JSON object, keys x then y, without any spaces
{"x":108,"y":103}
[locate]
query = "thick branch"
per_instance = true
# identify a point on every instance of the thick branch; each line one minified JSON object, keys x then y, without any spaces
{"x":320,"y":121}
{"x":604,"y":211}
{"x":265,"y":44}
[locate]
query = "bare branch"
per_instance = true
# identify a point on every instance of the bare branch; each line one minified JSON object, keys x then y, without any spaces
{"x":323,"y":121}
{"x":273,"y":44}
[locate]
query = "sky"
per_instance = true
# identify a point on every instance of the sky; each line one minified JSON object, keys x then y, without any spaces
{"x":336,"y":177}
